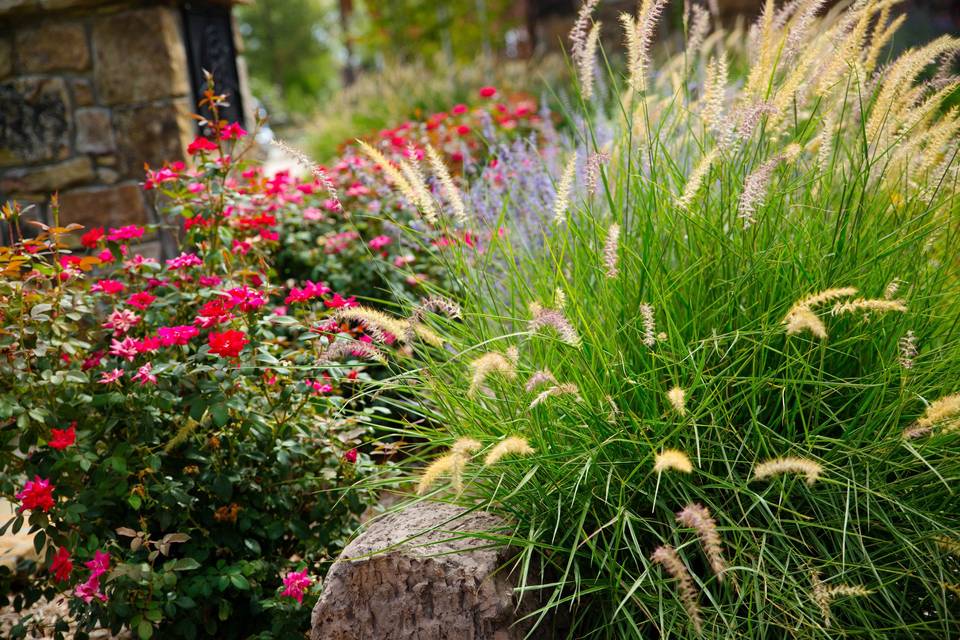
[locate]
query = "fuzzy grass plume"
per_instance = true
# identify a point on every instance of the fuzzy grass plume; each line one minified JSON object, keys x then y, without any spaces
{"x":447,"y":464}
{"x":699,"y":27}
{"x":824,"y":595}
{"x":863,"y":305}
{"x":678,"y":400}
{"x":553,"y":319}
{"x":561,"y":199}
{"x":695,"y":181}
{"x":433,"y":304}
{"x":489,"y":363}
{"x":666,"y":556}
{"x":595,"y":161}
{"x":319,"y":173}
{"x":943,"y":413}
{"x":379,"y":325}
{"x":541,"y":377}
{"x":649,"y":325}
{"x":908,"y":349}
{"x":452,"y":464}
{"x":340,"y":349}
{"x":407,"y":179}
{"x":672,"y":459}
{"x":579,"y":33}
{"x":610,"y":250}
{"x":450,"y":190}
{"x":512,"y":446}
{"x":801,"y":316}
{"x":587,"y":62}
{"x":639,"y":37}
{"x":697,"y":516}
{"x":566,"y":388}
{"x":778,"y":466}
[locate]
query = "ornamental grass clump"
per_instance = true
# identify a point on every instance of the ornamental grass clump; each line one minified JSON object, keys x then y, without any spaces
{"x":764,"y":188}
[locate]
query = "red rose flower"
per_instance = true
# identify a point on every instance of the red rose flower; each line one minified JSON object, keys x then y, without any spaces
{"x":231,"y":131}
{"x":339,"y":302}
{"x":214,"y":312}
{"x":36,"y":494}
{"x":92,"y":361}
{"x":91,"y":238}
{"x":487,"y":92}
{"x":62,"y":565}
{"x":62,"y":438}
{"x":141,"y":300}
{"x":228,"y":344}
{"x":200,"y":144}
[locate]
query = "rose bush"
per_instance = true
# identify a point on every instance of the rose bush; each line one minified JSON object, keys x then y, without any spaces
{"x":181,"y":437}
{"x":359,"y":241}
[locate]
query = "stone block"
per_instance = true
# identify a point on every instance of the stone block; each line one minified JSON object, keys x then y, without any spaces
{"x":419,"y":575}
{"x":34,"y":121}
{"x":152,"y":134}
{"x":139,"y":56}
{"x":107,"y":176}
{"x":6,"y":56}
{"x":111,"y":206}
{"x":51,"y":177}
{"x":57,"y":46}
{"x":94,"y":131}
{"x":28,"y":7}
{"x":82,"y":90}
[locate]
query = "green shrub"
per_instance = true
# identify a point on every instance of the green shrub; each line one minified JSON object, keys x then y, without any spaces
{"x":371,"y":240}
{"x":168,"y":426}
{"x":698,"y":425}
{"x":414,"y":91}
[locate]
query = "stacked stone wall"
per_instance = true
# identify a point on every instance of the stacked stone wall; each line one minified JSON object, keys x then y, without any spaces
{"x":90,"y":91}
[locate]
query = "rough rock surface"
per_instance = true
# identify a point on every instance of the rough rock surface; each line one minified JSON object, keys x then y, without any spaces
{"x":159,"y":68}
{"x":420,"y":575}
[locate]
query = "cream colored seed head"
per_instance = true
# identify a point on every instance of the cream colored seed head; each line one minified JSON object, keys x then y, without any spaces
{"x":678,"y":400}
{"x":465,"y":446}
{"x":672,"y":459}
{"x":514,"y":445}
{"x":778,"y":466}
{"x":491,"y":362}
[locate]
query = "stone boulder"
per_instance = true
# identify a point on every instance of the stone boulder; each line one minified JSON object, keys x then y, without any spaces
{"x":420,"y":574}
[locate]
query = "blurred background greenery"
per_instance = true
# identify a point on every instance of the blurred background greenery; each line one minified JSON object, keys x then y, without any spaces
{"x":326,"y":71}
